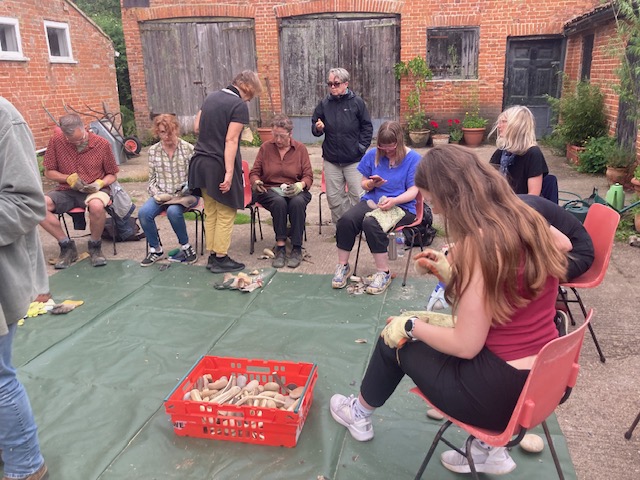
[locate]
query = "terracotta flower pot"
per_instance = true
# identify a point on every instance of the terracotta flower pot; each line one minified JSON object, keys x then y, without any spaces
{"x":473,"y":136}
{"x":265,"y":134}
{"x":419,"y":138}
{"x":617,"y":175}
{"x":637,"y":222}
{"x":636,"y":185}
{"x":572,"y":153}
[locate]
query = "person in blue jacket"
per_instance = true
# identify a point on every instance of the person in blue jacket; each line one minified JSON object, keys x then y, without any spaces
{"x":342,"y":117}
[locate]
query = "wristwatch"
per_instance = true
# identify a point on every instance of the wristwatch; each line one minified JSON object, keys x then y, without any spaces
{"x":409,"y":326}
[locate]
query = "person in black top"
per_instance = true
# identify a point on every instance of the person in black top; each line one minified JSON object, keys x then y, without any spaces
{"x":343,"y":118}
{"x":518,"y":156}
{"x":215,"y":169}
{"x":580,"y":253}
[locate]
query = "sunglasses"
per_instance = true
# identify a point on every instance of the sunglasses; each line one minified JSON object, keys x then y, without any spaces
{"x":388,"y":148}
{"x":334,"y":84}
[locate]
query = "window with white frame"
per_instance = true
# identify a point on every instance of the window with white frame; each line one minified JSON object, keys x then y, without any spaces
{"x":59,"y":42}
{"x":452,"y":52}
{"x":10,"y":45}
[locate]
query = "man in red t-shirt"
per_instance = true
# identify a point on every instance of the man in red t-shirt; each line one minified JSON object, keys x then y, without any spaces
{"x":84,"y":166}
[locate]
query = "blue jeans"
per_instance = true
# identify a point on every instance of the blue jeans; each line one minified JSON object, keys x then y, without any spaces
{"x":150,"y":210}
{"x":18,"y":431}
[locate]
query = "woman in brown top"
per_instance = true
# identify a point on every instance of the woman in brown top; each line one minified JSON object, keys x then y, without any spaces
{"x":280,"y":179}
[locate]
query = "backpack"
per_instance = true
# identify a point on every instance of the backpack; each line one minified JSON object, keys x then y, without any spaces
{"x":425,"y":228}
{"x":127,"y":230}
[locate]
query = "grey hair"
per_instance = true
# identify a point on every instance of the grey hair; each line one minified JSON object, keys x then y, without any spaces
{"x":70,"y":123}
{"x":249,"y":82}
{"x":340,"y":73}
{"x":282,"y":121}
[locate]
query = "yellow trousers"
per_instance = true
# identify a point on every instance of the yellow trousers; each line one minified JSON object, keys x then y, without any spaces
{"x":218,"y":222}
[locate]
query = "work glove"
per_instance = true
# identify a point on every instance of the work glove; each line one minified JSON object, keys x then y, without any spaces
{"x":294,"y":189}
{"x":75,"y":182}
{"x":93,"y":187}
{"x":258,"y":187}
{"x":394,"y":335}
{"x":434,"y":262}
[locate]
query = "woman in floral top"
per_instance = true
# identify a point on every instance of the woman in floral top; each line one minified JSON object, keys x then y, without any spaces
{"x":168,"y":173}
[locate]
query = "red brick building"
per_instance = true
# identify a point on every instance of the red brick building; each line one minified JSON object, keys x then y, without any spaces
{"x":487,"y":52}
{"x":51,"y":54}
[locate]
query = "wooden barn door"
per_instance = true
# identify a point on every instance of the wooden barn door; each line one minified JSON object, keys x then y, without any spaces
{"x":367,"y":47}
{"x":532,"y":73}
{"x":185,"y":61}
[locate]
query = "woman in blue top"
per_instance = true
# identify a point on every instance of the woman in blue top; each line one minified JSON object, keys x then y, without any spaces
{"x":388,"y":200}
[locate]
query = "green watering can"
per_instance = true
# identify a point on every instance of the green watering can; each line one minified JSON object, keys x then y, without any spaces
{"x":615,"y":197}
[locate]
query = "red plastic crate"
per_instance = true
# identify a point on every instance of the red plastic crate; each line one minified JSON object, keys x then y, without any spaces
{"x":248,"y":424}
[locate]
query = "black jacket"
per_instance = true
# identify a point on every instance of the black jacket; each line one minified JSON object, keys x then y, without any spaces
{"x":347,"y":127}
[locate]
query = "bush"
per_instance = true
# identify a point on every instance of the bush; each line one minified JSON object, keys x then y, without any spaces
{"x":593,"y":159}
{"x":580,"y":113}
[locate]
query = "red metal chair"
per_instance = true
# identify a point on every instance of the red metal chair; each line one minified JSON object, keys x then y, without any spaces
{"x":80,"y":210}
{"x":416,"y":234}
{"x":252,"y":206}
{"x":549,"y":384}
{"x":601,"y":224}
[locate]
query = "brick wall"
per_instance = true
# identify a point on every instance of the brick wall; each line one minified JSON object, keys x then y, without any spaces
{"x":498,"y":20}
{"x":36,"y":82}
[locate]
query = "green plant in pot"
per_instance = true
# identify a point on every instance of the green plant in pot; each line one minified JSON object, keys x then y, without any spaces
{"x":418,"y":73}
{"x":593,"y":158}
{"x":580,"y":114}
{"x":620,"y":159}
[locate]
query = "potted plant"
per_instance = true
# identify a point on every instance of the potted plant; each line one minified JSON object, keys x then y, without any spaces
{"x":455,"y":130}
{"x":620,"y":159}
{"x":635,"y":181}
{"x":580,"y":113}
{"x":438,"y":138}
{"x":417,"y":71}
{"x":473,"y":128}
{"x":593,"y":157}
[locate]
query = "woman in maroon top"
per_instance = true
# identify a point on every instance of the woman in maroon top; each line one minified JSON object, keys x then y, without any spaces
{"x":280,"y":162}
{"x":503,"y":306}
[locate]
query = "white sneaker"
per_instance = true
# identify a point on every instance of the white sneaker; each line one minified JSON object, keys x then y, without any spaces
{"x":342,"y":412}
{"x":487,"y":459}
{"x":341,"y":277}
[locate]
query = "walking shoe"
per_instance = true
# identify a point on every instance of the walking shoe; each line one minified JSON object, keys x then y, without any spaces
{"x":562,"y":323}
{"x":185,"y":256}
{"x":280,"y":259}
{"x":226,"y":264}
{"x":41,"y":474}
{"x":151,"y":258}
{"x":211,"y":260}
{"x":95,"y":252}
{"x":360,"y":428}
{"x":68,"y":255}
{"x":379,"y":284}
{"x":340,"y":278}
{"x":295,"y":259}
{"x":487,"y":459}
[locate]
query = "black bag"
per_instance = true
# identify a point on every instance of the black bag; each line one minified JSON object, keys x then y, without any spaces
{"x":427,"y":232}
{"x":127,"y":230}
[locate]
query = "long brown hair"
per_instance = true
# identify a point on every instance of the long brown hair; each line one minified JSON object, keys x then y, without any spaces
{"x":491,"y":227}
{"x":391,"y":132}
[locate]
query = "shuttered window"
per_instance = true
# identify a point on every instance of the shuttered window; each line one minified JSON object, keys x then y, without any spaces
{"x":452,"y":53}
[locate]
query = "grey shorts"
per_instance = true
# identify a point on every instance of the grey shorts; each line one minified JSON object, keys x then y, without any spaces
{"x":65,"y":200}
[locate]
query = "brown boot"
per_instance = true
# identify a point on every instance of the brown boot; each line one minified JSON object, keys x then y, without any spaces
{"x":95,"y":252}
{"x":68,"y":254}
{"x":41,"y":474}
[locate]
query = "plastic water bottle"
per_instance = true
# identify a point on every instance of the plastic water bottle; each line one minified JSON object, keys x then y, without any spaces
{"x":400,"y":242}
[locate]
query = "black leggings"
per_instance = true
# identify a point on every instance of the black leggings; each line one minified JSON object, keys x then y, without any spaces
{"x":482,"y":391}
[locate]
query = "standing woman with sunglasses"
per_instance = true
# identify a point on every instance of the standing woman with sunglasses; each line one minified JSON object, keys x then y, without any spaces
{"x":342,"y":117}
{"x":386,"y":176}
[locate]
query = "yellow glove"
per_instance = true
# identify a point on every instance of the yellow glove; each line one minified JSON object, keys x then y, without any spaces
{"x":93,"y":187}
{"x":394,"y":334}
{"x":435,"y":262}
{"x":35,"y":309}
{"x":294,"y":189}
{"x":75,"y":182}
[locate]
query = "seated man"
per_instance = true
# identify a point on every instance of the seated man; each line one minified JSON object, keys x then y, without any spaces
{"x":283,"y":160}
{"x":168,"y":175}
{"x":84,"y":166}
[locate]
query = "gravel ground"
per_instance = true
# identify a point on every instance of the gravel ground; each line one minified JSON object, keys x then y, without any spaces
{"x":606,"y":398}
